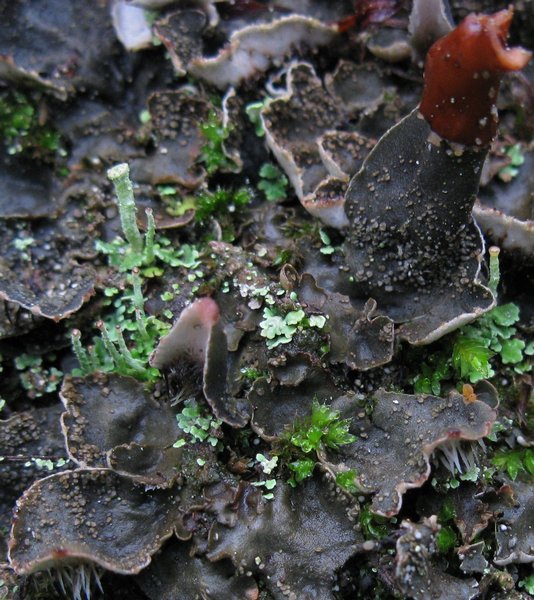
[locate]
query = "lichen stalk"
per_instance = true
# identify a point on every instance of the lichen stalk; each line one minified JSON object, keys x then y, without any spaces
{"x":149,"y":236}
{"x":138,"y":300}
{"x":126,"y":354}
{"x":83,"y":357}
{"x":140,"y":321}
{"x":117,"y":358}
{"x":494,"y":274}
{"x":119,"y":175}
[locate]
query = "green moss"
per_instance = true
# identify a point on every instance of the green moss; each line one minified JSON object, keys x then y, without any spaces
{"x":323,"y":428}
{"x":222,"y":200}
{"x":446,"y":539}
{"x":374,"y":527}
{"x":300,"y":469}
{"x":251,"y":374}
{"x":253,"y":111}
{"x":347,"y":481}
{"x":527,"y":584}
{"x":273,"y":182}
{"x":514,"y":462}
{"x":37,"y":378}
{"x":212,"y":154}
{"x":474,"y":349}
{"x":21,"y":129}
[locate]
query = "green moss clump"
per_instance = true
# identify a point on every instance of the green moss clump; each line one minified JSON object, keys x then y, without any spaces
{"x":21,"y":128}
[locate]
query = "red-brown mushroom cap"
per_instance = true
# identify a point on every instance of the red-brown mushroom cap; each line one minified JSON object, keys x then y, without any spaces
{"x":462,"y":75}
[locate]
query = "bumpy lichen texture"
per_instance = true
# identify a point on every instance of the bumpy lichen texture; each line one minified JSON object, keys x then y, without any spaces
{"x":412,"y":244}
{"x":66,"y":515}
{"x":462,"y":75}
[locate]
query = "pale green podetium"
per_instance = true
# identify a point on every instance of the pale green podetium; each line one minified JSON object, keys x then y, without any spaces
{"x":119,"y":175}
{"x":495,"y":274}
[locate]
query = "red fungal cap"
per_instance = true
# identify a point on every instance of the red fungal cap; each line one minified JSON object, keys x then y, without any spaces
{"x":462,"y":75}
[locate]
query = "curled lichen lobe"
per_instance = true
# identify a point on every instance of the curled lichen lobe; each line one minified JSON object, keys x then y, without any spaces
{"x":462,"y":75}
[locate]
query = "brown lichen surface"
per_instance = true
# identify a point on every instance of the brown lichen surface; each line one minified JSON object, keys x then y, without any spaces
{"x":41,"y":268}
{"x":408,"y":215}
{"x":294,"y":544}
{"x":411,"y":243}
{"x":181,"y":34}
{"x":176,"y":116}
{"x":68,"y":45}
{"x":177,"y":573}
{"x":92,"y":515}
{"x":418,"y":573}
{"x":22,"y":436}
{"x":392,"y":452}
{"x":105,"y":411}
{"x":357,"y":338}
{"x":294,"y":123}
{"x":515,"y":527}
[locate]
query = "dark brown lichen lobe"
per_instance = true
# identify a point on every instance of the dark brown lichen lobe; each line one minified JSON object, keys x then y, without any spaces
{"x":463,"y":71}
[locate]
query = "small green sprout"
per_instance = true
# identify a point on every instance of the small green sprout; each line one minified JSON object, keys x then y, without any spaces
{"x":208,"y":204}
{"x":517,"y":158}
{"x":273,"y":182}
{"x":251,"y":374}
{"x":374,"y":527}
{"x":300,"y":470}
{"x":471,"y":474}
{"x":515,"y":462}
{"x":494,"y":269}
{"x":112,"y":351}
{"x":321,"y":429}
{"x":48,"y":464}
{"x":167,"y":296}
{"x":253,"y":111}
{"x":119,"y":175}
{"x":327,"y":244}
{"x":527,"y":584}
{"x":21,"y":129}
{"x":279,"y":329}
{"x":212,"y":153}
{"x":145,"y":116}
{"x":86,"y":360}
{"x":267,"y":464}
{"x":200,"y":427}
{"x":346,"y":480}
{"x":22,"y":244}
{"x":268,"y":484}
{"x":35,"y":378}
